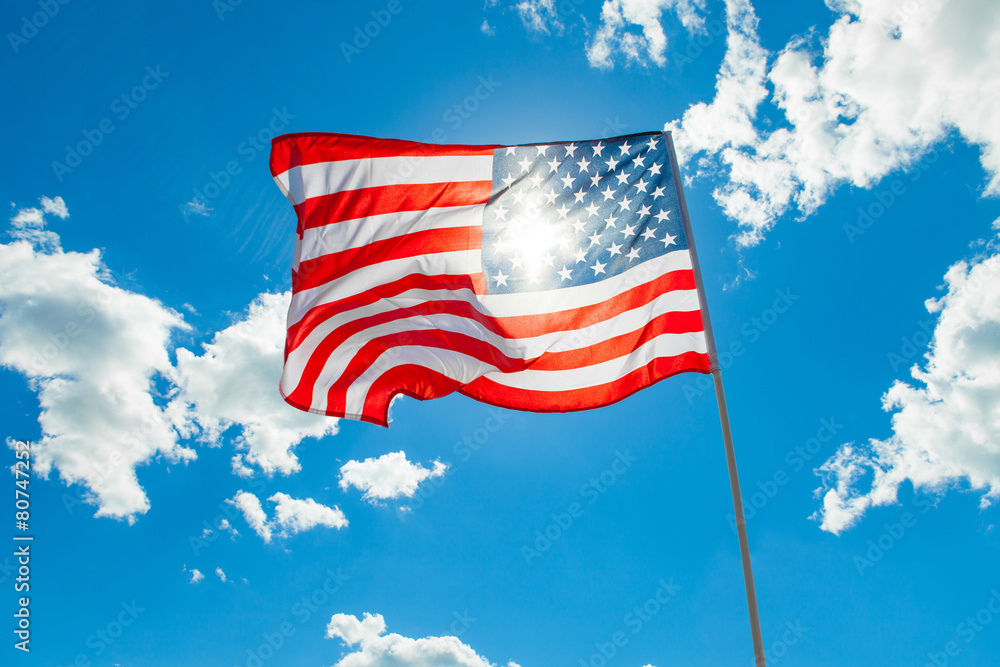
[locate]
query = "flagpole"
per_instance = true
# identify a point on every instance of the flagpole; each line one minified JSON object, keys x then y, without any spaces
{"x":720,"y":395}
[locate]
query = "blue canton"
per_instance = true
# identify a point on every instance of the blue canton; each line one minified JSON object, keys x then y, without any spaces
{"x":577,"y":213}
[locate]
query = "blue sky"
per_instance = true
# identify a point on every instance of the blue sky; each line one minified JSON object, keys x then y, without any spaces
{"x":843,"y":162}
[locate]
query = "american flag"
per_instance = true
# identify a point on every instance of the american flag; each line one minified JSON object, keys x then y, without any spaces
{"x":549,"y":277}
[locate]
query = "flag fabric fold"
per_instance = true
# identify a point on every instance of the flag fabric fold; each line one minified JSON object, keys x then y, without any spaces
{"x":549,"y":277}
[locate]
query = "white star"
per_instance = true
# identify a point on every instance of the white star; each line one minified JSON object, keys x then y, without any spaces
{"x":633,"y":254}
{"x":579,"y":194}
{"x":625,"y":148}
{"x":579,"y":225}
{"x":516,"y":261}
{"x":615,"y":249}
{"x":551,"y":196}
{"x":652,"y":144}
{"x":553,"y":165}
{"x":663,"y":215}
{"x":511,"y":150}
{"x":655,"y":168}
{"x":501,"y":278}
{"x":639,"y":161}
{"x":612,"y":163}
{"x":500,"y":245}
{"x":622,"y":178}
{"x":644,"y":210}
{"x":565,"y":273}
{"x":592,"y":208}
{"x":598,"y":148}
{"x":542,"y":148}
{"x":583,"y":164}
{"x":594,"y":180}
{"x":608,"y":194}
{"x":548,"y":259}
{"x":518,"y":196}
{"x":626,"y":202}
{"x":598,"y":267}
{"x":641,"y":185}
{"x":567,"y":181}
{"x":611,"y":221}
{"x":648,"y":234}
{"x":580,"y":255}
{"x":570,"y":149}
{"x":507,"y":182}
{"x":562,"y":211}
{"x":595,"y":238}
{"x":500,"y":212}
{"x":525,"y":163}
{"x":668,"y":240}
{"x":657,"y":193}
{"x":536,"y":180}
{"x":628,"y":231}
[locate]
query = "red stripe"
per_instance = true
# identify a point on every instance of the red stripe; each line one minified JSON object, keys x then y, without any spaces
{"x":446,"y":340}
{"x":321,"y":270}
{"x":588,"y":398}
{"x":292,"y":150}
{"x":414,"y":381}
{"x":417,"y":281}
{"x":354,"y":204}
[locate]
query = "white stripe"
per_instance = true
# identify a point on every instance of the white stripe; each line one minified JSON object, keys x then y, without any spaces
{"x":664,"y":345}
{"x":465,"y":369}
{"x":515,"y":348}
{"x":370,"y":277}
{"x":348,"y":234}
{"x":322,"y":178}
{"x":552,"y":301}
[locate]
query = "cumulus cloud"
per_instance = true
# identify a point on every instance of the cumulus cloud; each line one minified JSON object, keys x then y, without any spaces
{"x":291,"y":515}
{"x":234,"y":381}
{"x":91,"y":351}
{"x":196,"y":576}
{"x":633,"y":28}
{"x":388,"y":476}
{"x":377,"y":649}
{"x":889,"y":81}
{"x":96,"y":353}
{"x":539,"y":15}
{"x":945,"y":423}
{"x":220,"y":574}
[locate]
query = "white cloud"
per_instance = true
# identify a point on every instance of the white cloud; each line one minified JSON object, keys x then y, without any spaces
{"x":633,"y":28}
{"x":377,"y":649}
{"x":388,"y":476}
{"x":220,"y":574}
{"x":487,"y":29}
{"x":56,"y":207}
{"x":890,"y":81}
{"x":253,"y":512}
{"x":946,"y":424}
{"x":539,"y":15}
{"x":196,"y":576}
{"x":291,"y":515}
{"x":28,"y":224}
{"x":235,"y":381}
{"x":91,"y":351}
{"x":197,"y":207}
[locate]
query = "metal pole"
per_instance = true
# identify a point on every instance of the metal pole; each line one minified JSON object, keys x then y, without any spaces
{"x":720,"y":395}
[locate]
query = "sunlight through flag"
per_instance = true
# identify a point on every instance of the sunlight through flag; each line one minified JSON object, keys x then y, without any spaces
{"x":551,"y":278}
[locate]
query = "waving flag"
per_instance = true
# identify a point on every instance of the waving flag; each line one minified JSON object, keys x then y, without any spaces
{"x":549,"y":277}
